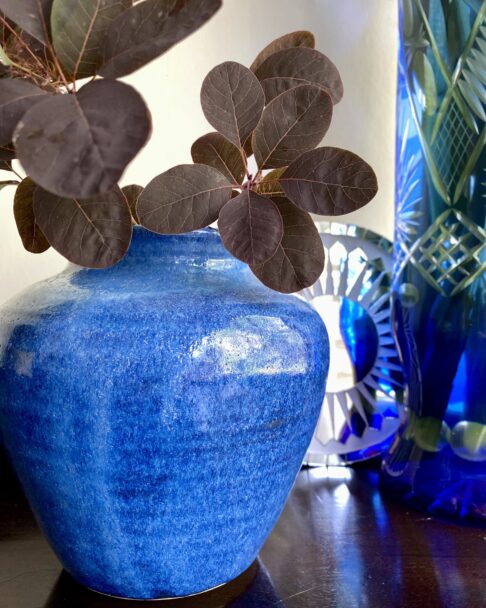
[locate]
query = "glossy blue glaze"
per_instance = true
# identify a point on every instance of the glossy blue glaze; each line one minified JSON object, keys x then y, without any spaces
{"x":158,"y":412}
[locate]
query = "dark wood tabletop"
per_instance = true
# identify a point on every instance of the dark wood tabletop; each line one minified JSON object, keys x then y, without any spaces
{"x":339,"y":543}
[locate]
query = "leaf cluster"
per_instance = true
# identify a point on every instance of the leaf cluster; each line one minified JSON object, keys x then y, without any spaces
{"x":74,"y":142}
{"x":277,"y":111}
{"x":259,"y":174}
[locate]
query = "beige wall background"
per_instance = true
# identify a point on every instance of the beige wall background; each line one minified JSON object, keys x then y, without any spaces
{"x":358,"y":35}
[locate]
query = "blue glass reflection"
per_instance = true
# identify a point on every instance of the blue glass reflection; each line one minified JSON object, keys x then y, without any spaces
{"x":359,"y":336}
{"x":438,"y":462}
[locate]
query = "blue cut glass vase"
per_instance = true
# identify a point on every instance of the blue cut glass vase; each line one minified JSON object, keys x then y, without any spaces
{"x":438,"y":460}
{"x":157,"y":413}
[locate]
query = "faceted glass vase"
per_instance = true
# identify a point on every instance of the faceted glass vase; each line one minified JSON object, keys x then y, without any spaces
{"x":438,"y":460}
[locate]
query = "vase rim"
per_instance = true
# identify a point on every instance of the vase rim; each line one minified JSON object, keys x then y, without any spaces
{"x":207,"y":236}
{"x":202,"y":244}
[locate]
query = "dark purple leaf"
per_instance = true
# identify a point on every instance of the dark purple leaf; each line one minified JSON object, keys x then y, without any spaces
{"x":79,"y":145}
{"x":78,"y":29}
{"x":251,"y":227}
{"x":292,"y":67}
{"x":288,"y":41}
{"x":149,"y":29}
{"x":216,"y":151}
{"x":132,"y":193}
{"x":299,"y":259}
{"x":182,"y":199}
{"x":247,"y":147}
{"x":32,"y":236}
{"x":16,"y":97}
{"x":94,"y":232}
{"x":292,"y":123}
{"x":32,"y":16}
{"x":232,"y":100}
{"x":31,"y":45}
{"x":329,"y":181}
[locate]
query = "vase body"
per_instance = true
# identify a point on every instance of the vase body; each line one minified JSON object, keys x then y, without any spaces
{"x":438,"y":461}
{"x":157,"y":413}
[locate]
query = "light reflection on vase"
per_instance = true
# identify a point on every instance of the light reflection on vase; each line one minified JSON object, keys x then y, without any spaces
{"x":438,"y":461}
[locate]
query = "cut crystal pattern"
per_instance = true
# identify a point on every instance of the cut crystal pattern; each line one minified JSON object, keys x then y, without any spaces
{"x":453,"y":146}
{"x":448,"y":255}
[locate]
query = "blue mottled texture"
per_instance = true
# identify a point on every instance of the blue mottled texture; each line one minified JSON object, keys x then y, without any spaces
{"x":158,"y":412}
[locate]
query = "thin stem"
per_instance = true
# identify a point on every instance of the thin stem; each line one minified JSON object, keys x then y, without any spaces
{"x":58,"y":67}
{"x":244,"y":159}
{"x":16,"y":173}
{"x":51,"y":49}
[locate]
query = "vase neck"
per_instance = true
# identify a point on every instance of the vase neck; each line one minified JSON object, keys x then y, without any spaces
{"x":199,"y":248}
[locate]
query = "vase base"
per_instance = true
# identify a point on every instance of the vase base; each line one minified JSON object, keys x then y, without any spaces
{"x":225,"y":592}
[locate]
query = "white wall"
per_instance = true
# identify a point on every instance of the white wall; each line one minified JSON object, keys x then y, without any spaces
{"x":358,"y":35}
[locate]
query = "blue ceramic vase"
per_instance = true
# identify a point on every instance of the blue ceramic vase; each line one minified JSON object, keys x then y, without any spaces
{"x":157,"y":413}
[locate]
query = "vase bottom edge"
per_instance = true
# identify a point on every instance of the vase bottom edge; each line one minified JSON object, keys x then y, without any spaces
{"x":225,"y":591}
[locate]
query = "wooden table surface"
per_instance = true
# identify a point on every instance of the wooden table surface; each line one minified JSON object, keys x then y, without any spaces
{"x":339,"y":543}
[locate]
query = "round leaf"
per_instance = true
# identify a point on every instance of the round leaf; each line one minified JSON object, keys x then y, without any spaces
{"x":16,"y":97}
{"x":79,"y":145}
{"x":292,"y":40}
{"x":216,"y":151}
{"x":149,"y":29}
{"x":247,"y":147}
{"x":28,"y":46}
{"x":132,"y":193}
{"x":292,"y":67}
{"x":292,"y":123}
{"x":299,"y":259}
{"x":32,"y":236}
{"x":32,"y":16}
{"x":329,"y":181}
{"x":78,"y":29}
{"x":94,"y":232}
{"x":232,"y":100}
{"x":251,"y":227}
{"x":185,"y":198}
